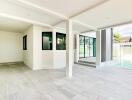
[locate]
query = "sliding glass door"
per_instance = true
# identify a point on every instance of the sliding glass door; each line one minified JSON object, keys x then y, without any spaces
{"x":87,"y":47}
{"x":87,"y":52}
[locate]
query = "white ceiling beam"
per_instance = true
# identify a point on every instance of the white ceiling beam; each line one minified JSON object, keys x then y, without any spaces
{"x":27,"y":3}
{"x":60,"y":28}
{"x":24,"y":20}
{"x":64,"y":29}
{"x":62,"y":21}
{"x":84,"y":32}
{"x":85,"y":25}
{"x":80,"y":23}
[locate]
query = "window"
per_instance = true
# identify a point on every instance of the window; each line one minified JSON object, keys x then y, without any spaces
{"x":25,"y":42}
{"x":60,"y":41}
{"x":46,"y":40}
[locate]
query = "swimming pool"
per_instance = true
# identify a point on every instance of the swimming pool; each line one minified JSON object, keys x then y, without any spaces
{"x":125,"y":64}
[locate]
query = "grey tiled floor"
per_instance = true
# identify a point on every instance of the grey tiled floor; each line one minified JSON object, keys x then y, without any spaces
{"x":17,"y":82}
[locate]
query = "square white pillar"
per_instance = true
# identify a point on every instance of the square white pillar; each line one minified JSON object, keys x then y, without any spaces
{"x":109,"y":38}
{"x":69,"y":48}
{"x":77,"y":48}
{"x":98,"y":48}
{"x":54,"y":39}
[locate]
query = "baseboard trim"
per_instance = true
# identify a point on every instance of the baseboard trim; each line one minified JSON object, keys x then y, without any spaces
{"x":19,"y":62}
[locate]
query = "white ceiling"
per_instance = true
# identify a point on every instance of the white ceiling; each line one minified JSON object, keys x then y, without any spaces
{"x":110,"y":13}
{"x":10,"y":7}
{"x":7,"y":24}
{"x":94,"y":13}
{"x":66,"y":7}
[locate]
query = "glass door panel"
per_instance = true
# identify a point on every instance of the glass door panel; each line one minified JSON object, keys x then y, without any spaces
{"x":94,"y":47}
{"x":82,"y":49}
{"x":91,"y":47}
{"x":87,"y":52}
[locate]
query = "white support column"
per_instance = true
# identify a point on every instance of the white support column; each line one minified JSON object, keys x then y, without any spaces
{"x":77,"y":48}
{"x":54,"y":39}
{"x":108,"y":44}
{"x":69,"y":49}
{"x":98,"y":48}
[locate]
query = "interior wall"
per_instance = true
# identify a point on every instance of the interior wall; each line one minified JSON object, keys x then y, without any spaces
{"x":35,"y":57}
{"x":10,"y":47}
{"x":47,"y":59}
{"x":28,"y":54}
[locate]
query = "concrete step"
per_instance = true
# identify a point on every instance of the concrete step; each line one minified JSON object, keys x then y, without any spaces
{"x":86,"y":64}
{"x":80,"y":61}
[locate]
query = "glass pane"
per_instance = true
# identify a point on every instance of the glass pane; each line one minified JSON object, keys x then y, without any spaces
{"x":60,"y":41}
{"x":47,"y":41}
{"x":87,"y":47}
{"x":81,"y":52}
{"x":94,"y":47}
{"x":91,"y":47}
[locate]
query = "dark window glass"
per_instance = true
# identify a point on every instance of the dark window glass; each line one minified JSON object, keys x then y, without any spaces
{"x":25,"y":42}
{"x":46,"y":40}
{"x":60,"y":41}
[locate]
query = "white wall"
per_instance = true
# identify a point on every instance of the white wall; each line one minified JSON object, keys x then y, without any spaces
{"x":36,"y":58}
{"x":98,"y":48}
{"x":47,"y":59}
{"x":28,"y":54}
{"x":89,"y":34}
{"x":10,"y":47}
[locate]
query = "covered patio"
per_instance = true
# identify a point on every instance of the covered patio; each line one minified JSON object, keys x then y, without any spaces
{"x":40,"y":50}
{"x":18,"y":82}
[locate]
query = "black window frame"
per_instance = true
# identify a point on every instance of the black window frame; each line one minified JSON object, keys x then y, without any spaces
{"x":43,"y":34}
{"x":63,"y":34}
{"x":25,"y":42}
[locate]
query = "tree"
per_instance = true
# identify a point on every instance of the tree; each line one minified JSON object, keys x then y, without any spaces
{"x":117,"y":37}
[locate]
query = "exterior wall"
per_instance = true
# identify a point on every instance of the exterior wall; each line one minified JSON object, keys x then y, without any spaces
{"x":10,"y":47}
{"x":122,"y":51}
